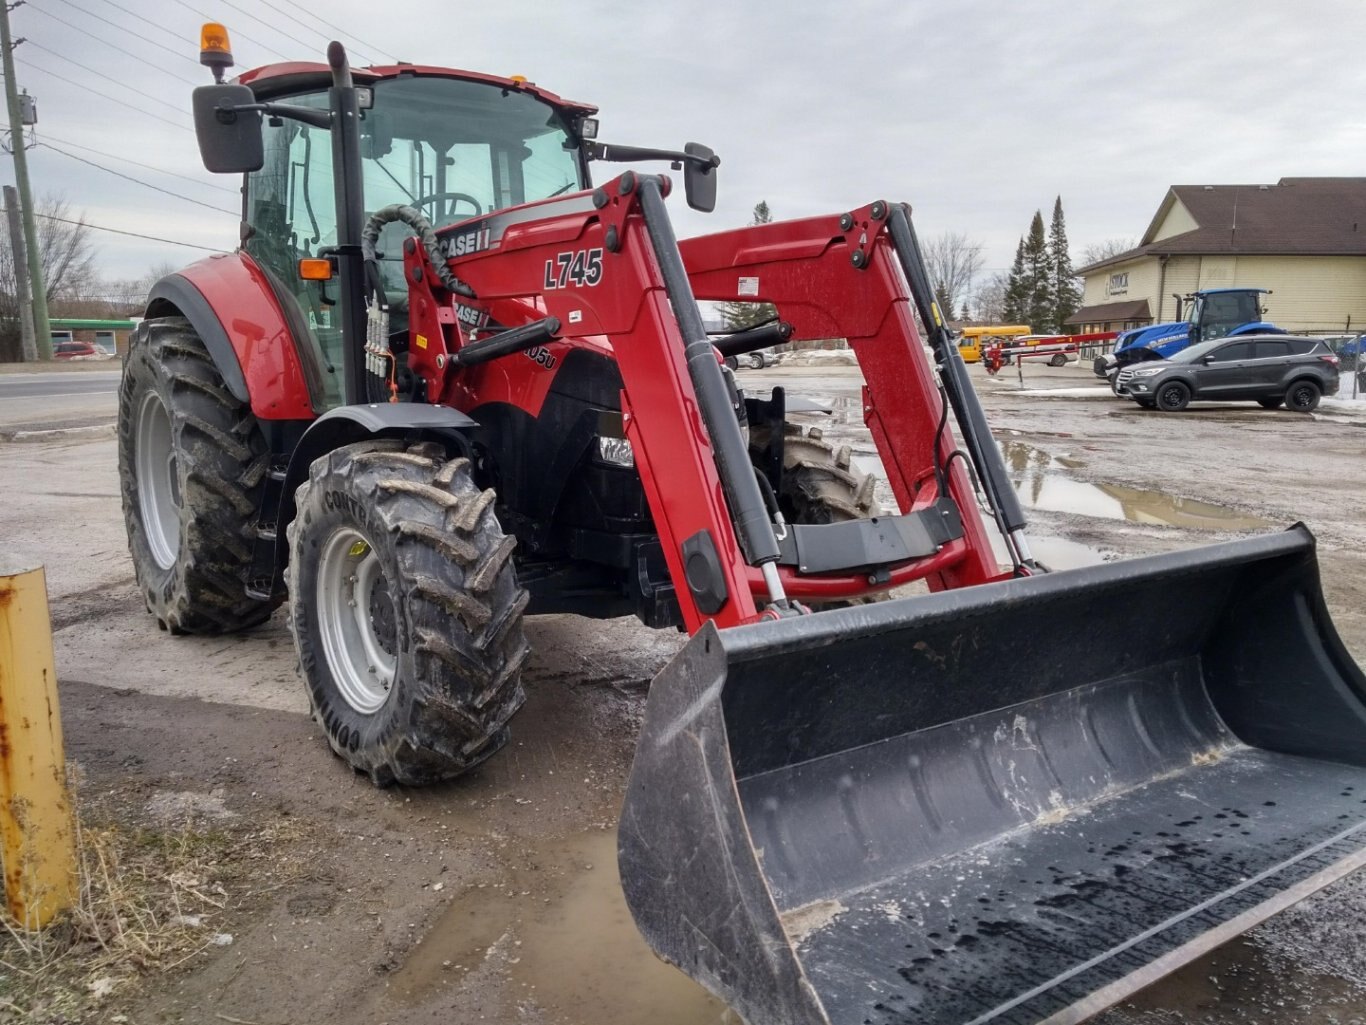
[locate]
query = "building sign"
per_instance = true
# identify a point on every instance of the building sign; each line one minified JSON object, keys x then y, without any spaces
{"x":1119,"y":284}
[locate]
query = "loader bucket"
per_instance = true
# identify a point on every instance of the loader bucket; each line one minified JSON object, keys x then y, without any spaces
{"x":1012,"y":803}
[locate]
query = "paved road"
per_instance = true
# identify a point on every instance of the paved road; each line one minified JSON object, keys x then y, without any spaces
{"x":58,"y":384}
{"x":37,"y":401}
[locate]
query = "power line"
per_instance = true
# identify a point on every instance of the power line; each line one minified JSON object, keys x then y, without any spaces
{"x":135,"y":163}
{"x":97,"y":74}
{"x":120,"y":231}
{"x":99,"y":17}
{"x":139,"y":181}
{"x":235,"y":32}
{"x":111,"y":99}
{"x":286,"y":14}
{"x":334,"y":28}
{"x":293,"y":39}
{"x":140,"y":59}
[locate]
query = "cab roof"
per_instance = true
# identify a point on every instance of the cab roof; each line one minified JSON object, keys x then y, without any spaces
{"x":281,"y":79}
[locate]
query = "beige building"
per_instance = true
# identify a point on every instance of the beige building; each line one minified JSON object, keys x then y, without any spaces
{"x":1303,"y":238}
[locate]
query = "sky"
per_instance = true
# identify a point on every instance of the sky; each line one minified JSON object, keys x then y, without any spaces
{"x":976,"y":113}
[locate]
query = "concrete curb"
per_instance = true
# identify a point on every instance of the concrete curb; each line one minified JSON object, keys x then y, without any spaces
{"x":57,"y":433}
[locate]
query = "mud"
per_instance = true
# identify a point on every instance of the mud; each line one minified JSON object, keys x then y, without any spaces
{"x":392,"y":885}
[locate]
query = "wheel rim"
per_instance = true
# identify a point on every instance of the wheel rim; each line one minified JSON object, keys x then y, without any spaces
{"x":356,"y":620}
{"x":1170,"y":398}
{"x":1301,"y":397}
{"x":158,"y":481}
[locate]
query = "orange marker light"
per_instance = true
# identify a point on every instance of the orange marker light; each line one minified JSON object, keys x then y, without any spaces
{"x":315,"y":269}
{"x":215,"y":49}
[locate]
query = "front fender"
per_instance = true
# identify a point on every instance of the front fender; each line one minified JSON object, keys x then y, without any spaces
{"x":235,"y":310}
{"x":348,"y":424}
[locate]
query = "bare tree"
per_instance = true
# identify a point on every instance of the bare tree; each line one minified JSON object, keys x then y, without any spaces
{"x":954,"y":261}
{"x":1104,"y":250}
{"x":67,"y":254}
{"x":989,"y":301}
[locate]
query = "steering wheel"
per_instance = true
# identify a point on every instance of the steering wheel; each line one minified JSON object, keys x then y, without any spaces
{"x":454,"y":197}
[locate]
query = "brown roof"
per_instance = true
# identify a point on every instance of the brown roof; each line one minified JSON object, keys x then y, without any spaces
{"x":1134,"y":309}
{"x":1294,"y":217}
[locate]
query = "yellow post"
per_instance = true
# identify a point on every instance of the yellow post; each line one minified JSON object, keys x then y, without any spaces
{"x":37,"y":842}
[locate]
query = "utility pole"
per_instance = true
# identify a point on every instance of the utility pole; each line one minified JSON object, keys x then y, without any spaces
{"x":42,"y":329}
{"x":19,"y":252}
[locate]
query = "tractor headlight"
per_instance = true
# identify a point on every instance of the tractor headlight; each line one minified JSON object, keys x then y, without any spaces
{"x":616,"y":452}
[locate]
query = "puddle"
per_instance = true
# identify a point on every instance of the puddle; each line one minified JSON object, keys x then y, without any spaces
{"x":561,"y":931}
{"x":1240,"y":982}
{"x":1041,"y":484}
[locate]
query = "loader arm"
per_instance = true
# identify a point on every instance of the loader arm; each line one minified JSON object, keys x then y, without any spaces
{"x":608,"y":274}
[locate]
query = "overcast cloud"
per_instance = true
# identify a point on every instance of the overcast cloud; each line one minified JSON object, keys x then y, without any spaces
{"x":977,"y":113}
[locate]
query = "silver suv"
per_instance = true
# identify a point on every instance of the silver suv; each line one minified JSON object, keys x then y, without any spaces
{"x":1267,"y":369}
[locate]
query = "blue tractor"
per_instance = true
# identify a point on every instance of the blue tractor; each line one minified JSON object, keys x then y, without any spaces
{"x":1210,"y":313}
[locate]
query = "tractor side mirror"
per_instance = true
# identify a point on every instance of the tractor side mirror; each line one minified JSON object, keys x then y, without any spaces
{"x":699,"y":177}
{"x":229,"y":137}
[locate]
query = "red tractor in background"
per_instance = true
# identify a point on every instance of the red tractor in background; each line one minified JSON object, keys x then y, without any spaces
{"x":446,"y":382}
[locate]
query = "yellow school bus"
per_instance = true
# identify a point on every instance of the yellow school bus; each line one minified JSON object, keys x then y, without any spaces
{"x":970,"y":342}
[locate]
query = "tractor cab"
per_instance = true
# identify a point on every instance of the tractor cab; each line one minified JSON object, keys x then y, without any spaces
{"x":451,"y":146}
{"x":1214,"y":313}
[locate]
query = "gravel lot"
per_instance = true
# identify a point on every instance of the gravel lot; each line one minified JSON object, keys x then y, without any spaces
{"x":495,"y":899}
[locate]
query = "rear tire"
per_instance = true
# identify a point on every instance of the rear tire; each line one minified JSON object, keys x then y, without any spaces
{"x":820,"y":483}
{"x":1057,"y":360}
{"x":192,"y":462}
{"x":1303,"y":396}
{"x":406,"y":612}
{"x":1172,"y":397}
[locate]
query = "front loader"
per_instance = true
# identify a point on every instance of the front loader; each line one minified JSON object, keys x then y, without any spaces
{"x":446,"y":382}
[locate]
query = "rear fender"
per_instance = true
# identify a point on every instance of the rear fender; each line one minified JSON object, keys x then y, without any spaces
{"x":346,"y":425}
{"x":232,"y":306}
{"x":1260,"y":327}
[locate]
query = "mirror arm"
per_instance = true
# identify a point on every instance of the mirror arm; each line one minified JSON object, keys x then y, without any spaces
{"x":628,"y":154}
{"x":308,"y":115}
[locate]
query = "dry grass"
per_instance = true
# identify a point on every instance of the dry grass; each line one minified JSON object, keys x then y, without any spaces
{"x":152,"y":898}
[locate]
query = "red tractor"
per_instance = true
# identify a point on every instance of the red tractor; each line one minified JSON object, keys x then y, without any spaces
{"x":446,"y":382}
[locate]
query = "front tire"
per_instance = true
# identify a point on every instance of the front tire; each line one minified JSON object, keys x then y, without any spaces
{"x":1057,"y":360}
{"x":406,"y":612}
{"x":1270,"y":403}
{"x":192,"y":463}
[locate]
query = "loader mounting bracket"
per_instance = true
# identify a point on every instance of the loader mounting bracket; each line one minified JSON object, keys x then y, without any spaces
{"x":865,"y":544}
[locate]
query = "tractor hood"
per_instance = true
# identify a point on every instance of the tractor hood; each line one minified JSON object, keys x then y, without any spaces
{"x":1163,"y":339}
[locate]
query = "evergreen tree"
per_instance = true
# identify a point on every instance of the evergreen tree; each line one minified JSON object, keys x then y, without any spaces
{"x":1014,"y":307}
{"x":1066,"y":295}
{"x":739,"y":315}
{"x":945,"y":300}
{"x":1038,"y":278}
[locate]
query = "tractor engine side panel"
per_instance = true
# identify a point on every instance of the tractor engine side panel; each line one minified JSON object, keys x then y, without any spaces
{"x":230,"y":298}
{"x":543,"y":462}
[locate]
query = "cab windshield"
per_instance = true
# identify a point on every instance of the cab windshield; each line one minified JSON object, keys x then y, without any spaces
{"x":457,"y":149}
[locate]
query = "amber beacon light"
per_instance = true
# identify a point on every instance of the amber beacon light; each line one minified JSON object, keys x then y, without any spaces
{"x":215,"y":49}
